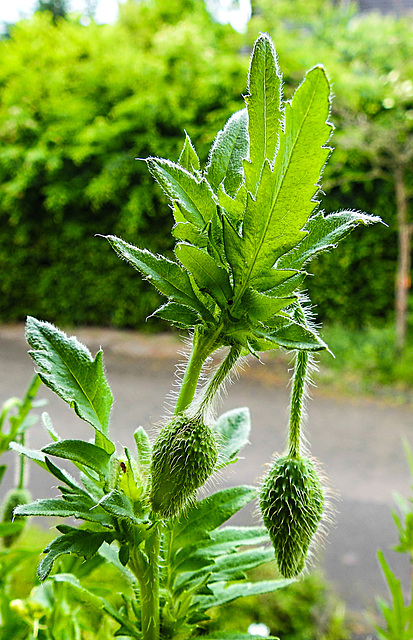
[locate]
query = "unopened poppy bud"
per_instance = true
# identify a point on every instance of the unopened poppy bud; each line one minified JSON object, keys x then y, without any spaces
{"x":292,"y":505}
{"x":183,"y":457}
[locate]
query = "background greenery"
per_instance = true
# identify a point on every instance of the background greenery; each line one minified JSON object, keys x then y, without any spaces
{"x":78,"y":105}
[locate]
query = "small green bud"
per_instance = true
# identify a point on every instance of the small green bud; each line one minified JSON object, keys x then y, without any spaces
{"x":292,"y":505}
{"x":184,"y":456}
{"x":14,"y":498}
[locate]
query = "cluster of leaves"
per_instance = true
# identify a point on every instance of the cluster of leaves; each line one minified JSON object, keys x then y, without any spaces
{"x":370,"y":65}
{"x":246,"y":228}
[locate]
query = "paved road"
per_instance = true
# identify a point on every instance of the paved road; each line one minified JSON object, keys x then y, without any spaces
{"x":358,"y":441}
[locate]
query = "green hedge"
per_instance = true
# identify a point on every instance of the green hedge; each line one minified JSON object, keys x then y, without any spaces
{"x":77,"y":106}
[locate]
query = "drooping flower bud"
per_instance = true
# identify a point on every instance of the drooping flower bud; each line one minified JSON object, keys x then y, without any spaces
{"x":292,"y":505}
{"x":183,"y":457}
{"x":14,"y":498}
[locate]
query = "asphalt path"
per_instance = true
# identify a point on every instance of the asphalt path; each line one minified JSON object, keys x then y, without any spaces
{"x":358,"y":441}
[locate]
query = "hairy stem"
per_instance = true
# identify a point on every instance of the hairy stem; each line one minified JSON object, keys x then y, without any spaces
{"x":219,"y":376}
{"x":202,"y":347}
{"x":297,"y":403}
{"x":146,"y":569}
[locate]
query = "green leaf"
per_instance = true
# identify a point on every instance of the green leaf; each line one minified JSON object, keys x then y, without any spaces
{"x":209,"y":513}
{"x":261,"y":307}
{"x":80,"y":542}
{"x":56,"y":507}
{"x":223,"y":592}
{"x":48,"y":425}
{"x":273,"y":221}
{"x":188,"y":232}
{"x":291,"y":335}
{"x":194,"y":197}
{"x":188,"y":158}
{"x":32,"y":454}
{"x":118,"y":505}
{"x":144,"y":451}
{"x":65,"y":477}
{"x":67,"y":367}
{"x":233,"y":207}
{"x":264,"y":109}
{"x":228,"y":568}
{"x":233,"y":428}
{"x":224,"y":540}
{"x":323,"y":234}
{"x":208,"y":275}
{"x":178,"y":315}
{"x":166,"y":276}
{"x":81,"y":452}
{"x":230,"y":148}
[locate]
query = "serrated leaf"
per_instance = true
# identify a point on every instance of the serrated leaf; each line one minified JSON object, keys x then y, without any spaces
{"x":208,"y":275}
{"x":264,"y":108}
{"x":228,"y":568}
{"x":117,"y":504}
{"x":194,"y":197}
{"x":291,"y":335}
{"x":230,"y":147}
{"x":32,"y":454}
{"x":274,"y":219}
{"x":80,"y":542}
{"x":261,"y":307}
{"x":223,"y":540}
{"x":178,"y":315}
{"x":273,"y":279}
{"x":63,"y":476}
{"x":323,"y":234}
{"x":67,"y":367}
{"x":166,"y":276}
{"x":188,"y":158}
{"x":209,"y":513}
{"x":81,"y":452}
{"x":188,"y":232}
{"x":56,"y":507}
{"x":223,"y":592}
{"x":233,"y":429}
{"x":233,"y":207}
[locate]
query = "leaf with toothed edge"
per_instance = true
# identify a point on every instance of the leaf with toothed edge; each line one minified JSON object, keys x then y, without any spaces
{"x":66,"y":366}
{"x":165,"y":275}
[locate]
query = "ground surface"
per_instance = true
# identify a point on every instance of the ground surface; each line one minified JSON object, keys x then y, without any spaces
{"x":357,"y":440}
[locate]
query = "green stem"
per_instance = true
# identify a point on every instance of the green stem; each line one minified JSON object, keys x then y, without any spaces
{"x":297,"y":403}
{"x":148,"y":577}
{"x":22,"y":464}
{"x":219,"y":376}
{"x":202,"y":347}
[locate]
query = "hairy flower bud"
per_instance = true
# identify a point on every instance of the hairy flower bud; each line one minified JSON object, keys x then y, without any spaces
{"x":292,"y":505}
{"x":184,"y":456}
{"x":14,"y":498}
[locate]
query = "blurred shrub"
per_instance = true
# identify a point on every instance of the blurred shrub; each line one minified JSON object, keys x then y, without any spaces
{"x":77,"y":106}
{"x":305,"y":610}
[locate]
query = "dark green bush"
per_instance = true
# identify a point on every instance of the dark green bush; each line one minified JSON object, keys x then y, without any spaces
{"x":77,"y":106}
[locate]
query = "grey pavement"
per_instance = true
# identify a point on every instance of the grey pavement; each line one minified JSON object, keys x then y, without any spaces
{"x":358,"y":441}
